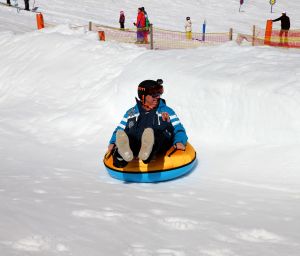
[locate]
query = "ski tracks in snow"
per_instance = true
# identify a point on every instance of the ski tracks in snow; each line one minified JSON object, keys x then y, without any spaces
{"x":217,"y":223}
{"x":35,"y":244}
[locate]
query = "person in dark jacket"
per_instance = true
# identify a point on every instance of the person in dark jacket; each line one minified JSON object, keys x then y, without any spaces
{"x":122,"y":20}
{"x":8,"y":2}
{"x":26,"y":2}
{"x":285,"y":26}
{"x":147,"y":129}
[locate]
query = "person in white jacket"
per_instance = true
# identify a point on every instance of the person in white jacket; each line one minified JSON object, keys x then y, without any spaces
{"x":188,"y":28}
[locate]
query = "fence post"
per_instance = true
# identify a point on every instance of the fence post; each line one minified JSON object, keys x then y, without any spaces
{"x":101,"y":35}
{"x":230,"y":34}
{"x":203,"y":30}
{"x":40,"y":20}
{"x":268,"y":32}
{"x":253,"y":35}
{"x":151,"y":37}
{"x":90,"y":26}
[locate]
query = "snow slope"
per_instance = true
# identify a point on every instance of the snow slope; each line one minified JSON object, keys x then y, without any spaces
{"x":168,"y":14}
{"x":62,"y":92}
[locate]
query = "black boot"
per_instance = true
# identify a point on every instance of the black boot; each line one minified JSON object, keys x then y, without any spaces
{"x":26,"y":5}
{"x":118,"y":161}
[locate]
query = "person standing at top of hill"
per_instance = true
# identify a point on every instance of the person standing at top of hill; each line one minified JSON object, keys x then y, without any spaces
{"x":26,"y":5}
{"x":285,"y":26}
{"x":122,"y":20}
{"x":188,"y":28}
{"x":8,"y":2}
{"x":140,"y":25}
{"x":241,"y":3}
{"x":147,"y":26}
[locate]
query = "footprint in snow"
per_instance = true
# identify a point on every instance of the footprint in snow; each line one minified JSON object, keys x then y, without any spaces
{"x":38,"y":244}
{"x":179,"y":223}
{"x":169,"y":252}
{"x":32,"y":244}
{"x":217,"y":252}
{"x":107,"y":215}
{"x":39,"y":191}
{"x":259,"y":236}
{"x":140,"y":250}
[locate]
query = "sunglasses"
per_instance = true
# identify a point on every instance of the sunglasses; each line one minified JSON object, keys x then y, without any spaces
{"x":155,"y":95}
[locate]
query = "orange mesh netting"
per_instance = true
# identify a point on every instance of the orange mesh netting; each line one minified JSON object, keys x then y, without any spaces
{"x":164,"y":39}
{"x":279,"y":38}
{"x":290,"y":39}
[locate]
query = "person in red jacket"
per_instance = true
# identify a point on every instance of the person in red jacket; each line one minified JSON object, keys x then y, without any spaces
{"x":147,"y":26}
{"x":140,"y":25}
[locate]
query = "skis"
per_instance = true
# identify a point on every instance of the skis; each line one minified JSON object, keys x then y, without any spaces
{"x":15,"y":3}
{"x":16,"y":6}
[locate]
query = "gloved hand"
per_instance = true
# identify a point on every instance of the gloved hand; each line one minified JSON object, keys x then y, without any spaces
{"x":110,"y":147}
{"x":180,"y":146}
{"x":165,"y":117}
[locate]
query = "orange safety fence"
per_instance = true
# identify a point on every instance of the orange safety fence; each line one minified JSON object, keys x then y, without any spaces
{"x":167,"y":39}
{"x":116,"y":34}
{"x":163,"y":39}
{"x":268,"y":32}
{"x":272,"y":38}
{"x":290,"y":39}
{"x":40,"y":20}
{"x":256,"y":39}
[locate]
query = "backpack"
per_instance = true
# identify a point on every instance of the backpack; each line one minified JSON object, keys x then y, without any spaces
{"x":147,"y":22}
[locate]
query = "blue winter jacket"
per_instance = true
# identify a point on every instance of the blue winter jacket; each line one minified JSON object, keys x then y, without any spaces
{"x":132,"y":115}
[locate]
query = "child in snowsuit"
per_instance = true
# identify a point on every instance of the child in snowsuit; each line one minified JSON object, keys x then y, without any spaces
{"x":122,"y":20}
{"x":188,"y":28}
{"x":147,"y":129}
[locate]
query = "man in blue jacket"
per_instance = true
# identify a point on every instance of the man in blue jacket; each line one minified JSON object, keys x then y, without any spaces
{"x":148,"y":128}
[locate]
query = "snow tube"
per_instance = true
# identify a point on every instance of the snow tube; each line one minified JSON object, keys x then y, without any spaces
{"x":173,"y":164}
